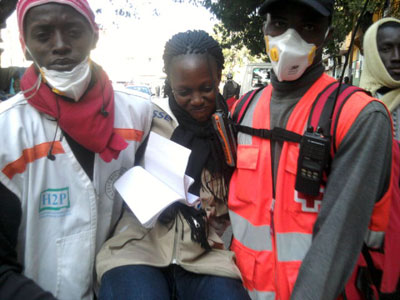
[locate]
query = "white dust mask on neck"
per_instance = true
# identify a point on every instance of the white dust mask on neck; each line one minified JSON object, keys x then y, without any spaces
{"x":71,"y":84}
{"x":290,"y":55}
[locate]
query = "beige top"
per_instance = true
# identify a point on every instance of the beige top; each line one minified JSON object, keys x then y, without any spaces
{"x":164,"y":245}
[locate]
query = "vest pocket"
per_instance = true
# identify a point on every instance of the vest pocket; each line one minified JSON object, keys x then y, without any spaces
{"x":75,"y":259}
{"x":247,"y":160}
{"x":245,"y":261}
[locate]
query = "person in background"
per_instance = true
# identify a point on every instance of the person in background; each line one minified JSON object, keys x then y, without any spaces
{"x":259,"y":84}
{"x":6,"y":75}
{"x":290,"y":245}
{"x":231,"y":90}
{"x":182,"y":256}
{"x":381,"y":72}
{"x":381,"y":77}
{"x":68,"y":137}
{"x":15,"y":85}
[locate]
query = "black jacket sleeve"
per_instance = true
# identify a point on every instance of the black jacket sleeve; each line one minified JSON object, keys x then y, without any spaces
{"x":13,"y":284}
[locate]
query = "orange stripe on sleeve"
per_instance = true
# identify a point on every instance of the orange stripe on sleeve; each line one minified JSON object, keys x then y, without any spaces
{"x":30,"y":155}
{"x":130,"y":134}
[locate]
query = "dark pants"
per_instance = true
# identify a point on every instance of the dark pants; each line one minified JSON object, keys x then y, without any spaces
{"x":173,"y":282}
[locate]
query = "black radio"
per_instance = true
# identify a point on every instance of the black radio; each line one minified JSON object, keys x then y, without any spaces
{"x":313,"y":159}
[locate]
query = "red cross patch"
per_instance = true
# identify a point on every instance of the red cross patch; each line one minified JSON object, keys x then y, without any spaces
{"x":309,"y":203}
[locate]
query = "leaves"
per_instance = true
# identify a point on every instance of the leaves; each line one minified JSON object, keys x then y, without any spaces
{"x":243,"y":25}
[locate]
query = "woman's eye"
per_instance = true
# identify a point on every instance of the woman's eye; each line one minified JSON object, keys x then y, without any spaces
{"x":183,"y":93}
{"x":208,"y":89}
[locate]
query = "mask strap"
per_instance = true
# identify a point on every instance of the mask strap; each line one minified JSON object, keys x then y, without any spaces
{"x":35,"y":87}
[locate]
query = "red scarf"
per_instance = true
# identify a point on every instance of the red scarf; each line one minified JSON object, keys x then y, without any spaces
{"x":81,"y":120}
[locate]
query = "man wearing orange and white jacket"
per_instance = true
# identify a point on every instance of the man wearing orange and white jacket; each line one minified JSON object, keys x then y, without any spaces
{"x":65,"y":139}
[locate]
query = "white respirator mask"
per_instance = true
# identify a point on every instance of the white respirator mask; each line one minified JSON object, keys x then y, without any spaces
{"x":72,"y":84}
{"x":290,"y":55}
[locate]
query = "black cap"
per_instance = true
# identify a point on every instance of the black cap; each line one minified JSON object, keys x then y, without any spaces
{"x":324,"y":7}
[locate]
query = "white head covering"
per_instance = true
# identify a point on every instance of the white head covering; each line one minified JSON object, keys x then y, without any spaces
{"x":374,"y":75}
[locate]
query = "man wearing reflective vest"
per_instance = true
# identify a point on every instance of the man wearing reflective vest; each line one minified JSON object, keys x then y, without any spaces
{"x":290,"y":245}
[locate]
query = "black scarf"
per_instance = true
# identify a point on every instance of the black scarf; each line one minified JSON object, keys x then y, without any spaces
{"x":198,"y":137}
{"x":201,"y":138}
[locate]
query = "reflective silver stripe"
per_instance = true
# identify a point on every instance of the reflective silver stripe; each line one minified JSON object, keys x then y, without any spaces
{"x":292,"y":246}
{"x":245,"y":139}
{"x":257,"y":238}
{"x":257,"y":295}
{"x":374,"y":239}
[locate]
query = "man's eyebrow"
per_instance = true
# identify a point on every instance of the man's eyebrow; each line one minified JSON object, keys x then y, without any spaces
{"x":40,"y":26}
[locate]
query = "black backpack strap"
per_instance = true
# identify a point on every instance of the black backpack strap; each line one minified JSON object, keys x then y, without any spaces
{"x":374,"y":275}
{"x":243,"y":105}
{"x":345,"y":94}
{"x":326,"y":109}
{"x":322,"y":109}
{"x":277,"y":134}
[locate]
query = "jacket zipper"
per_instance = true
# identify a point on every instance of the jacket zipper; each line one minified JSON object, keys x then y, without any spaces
{"x":272,"y":232}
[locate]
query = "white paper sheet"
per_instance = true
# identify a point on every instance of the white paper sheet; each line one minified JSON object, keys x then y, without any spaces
{"x":162,"y":181}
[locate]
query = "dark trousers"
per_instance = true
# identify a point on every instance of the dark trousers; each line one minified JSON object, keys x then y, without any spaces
{"x":173,"y":282}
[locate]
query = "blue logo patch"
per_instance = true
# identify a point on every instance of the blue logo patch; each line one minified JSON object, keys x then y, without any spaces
{"x":161,"y":115}
{"x":54,"y":202}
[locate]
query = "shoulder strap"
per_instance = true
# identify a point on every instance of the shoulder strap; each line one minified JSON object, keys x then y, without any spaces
{"x":346,"y":92}
{"x":279,"y":134}
{"x":374,"y":275}
{"x":242,"y":105}
{"x":325,"y":111}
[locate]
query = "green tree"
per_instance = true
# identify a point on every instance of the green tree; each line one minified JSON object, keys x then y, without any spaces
{"x":243,"y":24}
{"x":236,"y":54}
{"x":241,"y":21}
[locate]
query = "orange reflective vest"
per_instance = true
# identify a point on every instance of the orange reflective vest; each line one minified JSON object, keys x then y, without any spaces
{"x":270,"y":247}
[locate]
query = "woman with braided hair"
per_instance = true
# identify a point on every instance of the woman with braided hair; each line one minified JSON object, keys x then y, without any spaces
{"x":182,"y":256}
